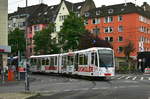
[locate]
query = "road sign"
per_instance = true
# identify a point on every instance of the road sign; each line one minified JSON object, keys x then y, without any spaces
{"x":5,"y":49}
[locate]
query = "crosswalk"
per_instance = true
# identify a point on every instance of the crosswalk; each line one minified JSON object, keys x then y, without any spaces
{"x":128,"y":77}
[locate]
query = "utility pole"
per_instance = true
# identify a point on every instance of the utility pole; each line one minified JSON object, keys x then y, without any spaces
{"x":26,"y":3}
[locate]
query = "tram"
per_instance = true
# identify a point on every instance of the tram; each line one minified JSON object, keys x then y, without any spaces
{"x":95,"y":62}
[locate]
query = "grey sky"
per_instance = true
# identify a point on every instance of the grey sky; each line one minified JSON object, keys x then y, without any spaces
{"x":13,"y":4}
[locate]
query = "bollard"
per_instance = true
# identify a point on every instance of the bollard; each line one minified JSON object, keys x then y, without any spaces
{"x":10,"y":75}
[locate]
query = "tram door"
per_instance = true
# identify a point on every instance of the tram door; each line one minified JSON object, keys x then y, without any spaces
{"x":38,"y":64}
{"x":76,"y":61}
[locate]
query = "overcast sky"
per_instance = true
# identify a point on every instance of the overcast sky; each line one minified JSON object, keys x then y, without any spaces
{"x":13,"y":4}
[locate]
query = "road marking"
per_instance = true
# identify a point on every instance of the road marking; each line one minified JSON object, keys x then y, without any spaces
{"x":142,"y":78}
{"x":121,"y":77}
{"x":134,"y":78}
{"x":128,"y":77}
{"x":148,"y":78}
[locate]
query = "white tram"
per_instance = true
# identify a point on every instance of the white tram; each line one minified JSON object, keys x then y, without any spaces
{"x":97,"y":61}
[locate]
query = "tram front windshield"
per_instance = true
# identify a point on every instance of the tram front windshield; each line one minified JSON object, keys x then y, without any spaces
{"x":105,"y":58}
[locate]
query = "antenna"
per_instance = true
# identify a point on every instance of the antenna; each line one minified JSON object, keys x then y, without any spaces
{"x":41,"y":1}
{"x":125,"y":2}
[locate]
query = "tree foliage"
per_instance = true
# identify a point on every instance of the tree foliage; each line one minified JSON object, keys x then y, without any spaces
{"x":17,"y":41}
{"x":128,"y":49}
{"x":43,"y":41}
{"x":89,"y":40}
{"x":73,"y":28}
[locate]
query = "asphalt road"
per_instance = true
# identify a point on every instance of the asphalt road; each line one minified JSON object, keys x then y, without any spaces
{"x":58,"y":87}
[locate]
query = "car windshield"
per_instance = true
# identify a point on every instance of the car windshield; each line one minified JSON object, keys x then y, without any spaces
{"x":106,"y":58}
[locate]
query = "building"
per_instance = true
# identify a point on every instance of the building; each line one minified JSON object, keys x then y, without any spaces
{"x":19,"y":18}
{"x":56,"y":14}
{"x":120,"y":24}
{"x":4,"y":48}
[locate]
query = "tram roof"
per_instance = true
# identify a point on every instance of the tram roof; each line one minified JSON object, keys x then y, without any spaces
{"x":80,"y":51}
{"x":38,"y":56}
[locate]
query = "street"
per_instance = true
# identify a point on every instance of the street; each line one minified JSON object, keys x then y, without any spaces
{"x":122,"y":86}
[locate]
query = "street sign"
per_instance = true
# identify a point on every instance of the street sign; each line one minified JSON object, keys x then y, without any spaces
{"x":5,"y":49}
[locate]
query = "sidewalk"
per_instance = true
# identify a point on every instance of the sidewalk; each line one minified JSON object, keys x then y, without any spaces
{"x":17,"y":95}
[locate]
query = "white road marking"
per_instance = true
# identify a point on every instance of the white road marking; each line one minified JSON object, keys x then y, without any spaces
{"x":128,"y":77}
{"x":134,"y":78}
{"x":121,"y":77}
{"x":149,"y":78}
{"x":142,"y":78}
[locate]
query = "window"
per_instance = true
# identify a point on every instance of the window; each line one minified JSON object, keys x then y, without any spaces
{"x":142,"y":29}
{"x":110,"y":11}
{"x":97,"y":12}
{"x":108,"y":29}
{"x":108,"y":19}
{"x":43,"y":61}
{"x":96,"y":21}
{"x":21,"y":24}
{"x":120,"y":28}
{"x":94,"y":59}
{"x":119,"y":18}
{"x":109,"y":39}
{"x":120,"y":49}
{"x":52,"y":61}
{"x":47,"y":61}
{"x":85,"y":22}
{"x":62,"y":17}
{"x":87,"y":14}
{"x":55,"y":60}
{"x":120,"y":38}
{"x":83,"y":59}
{"x":96,"y":31}
{"x":36,"y":28}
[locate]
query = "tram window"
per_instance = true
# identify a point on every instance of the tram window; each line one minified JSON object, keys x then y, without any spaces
{"x":92,"y":58}
{"x":96,"y":61}
{"x":34,"y":61}
{"x":64,"y":61}
{"x":81,"y":59}
{"x":85,"y":59}
{"x":47,"y":61}
{"x":52,"y":61}
{"x":55,"y":60}
{"x":39,"y":62}
{"x":43,"y":61}
{"x":76,"y":61}
{"x":70,"y":60}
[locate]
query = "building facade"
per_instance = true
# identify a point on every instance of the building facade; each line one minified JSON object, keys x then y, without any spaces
{"x":119,"y":25}
{"x":53,"y":14}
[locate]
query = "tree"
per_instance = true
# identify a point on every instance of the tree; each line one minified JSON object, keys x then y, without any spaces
{"x":128,"y":49}
{"x":73,"y":28}
{"x":89,"y":40}
{"x":17,"y":41}
{"x":44,"y":44}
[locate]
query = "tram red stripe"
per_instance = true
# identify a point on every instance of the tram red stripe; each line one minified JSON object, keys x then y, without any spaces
{"x":85,"y":69}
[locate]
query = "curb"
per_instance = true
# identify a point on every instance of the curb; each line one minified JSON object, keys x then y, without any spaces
{"x":31,"y":96}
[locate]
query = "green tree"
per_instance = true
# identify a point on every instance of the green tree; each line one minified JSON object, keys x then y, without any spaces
{"x":73,"y":28}
{"x":89,"y":40}
{"x":44,"y":44}
{"x":128,"y":49}
{"x":17,"y":41}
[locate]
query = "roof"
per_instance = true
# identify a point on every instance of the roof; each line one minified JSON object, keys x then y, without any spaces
{"x":23,"y":11}
{"x":118,"y":9}
{"x":43,"y":15}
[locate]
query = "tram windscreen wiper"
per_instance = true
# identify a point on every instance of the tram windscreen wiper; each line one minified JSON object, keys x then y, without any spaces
{"x":103,"y":64}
